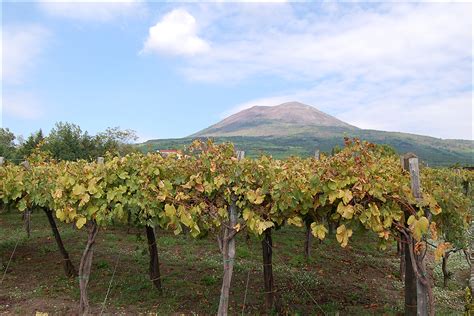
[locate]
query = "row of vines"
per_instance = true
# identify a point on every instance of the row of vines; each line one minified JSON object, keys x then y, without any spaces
{"x":211,"y":191}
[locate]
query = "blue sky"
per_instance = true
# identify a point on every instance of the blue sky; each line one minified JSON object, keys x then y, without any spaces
{"x":170,"y":69}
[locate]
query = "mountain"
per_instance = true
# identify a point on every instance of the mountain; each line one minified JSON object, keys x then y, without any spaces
{"x":297,"y":129}
{"x":281,"y":120}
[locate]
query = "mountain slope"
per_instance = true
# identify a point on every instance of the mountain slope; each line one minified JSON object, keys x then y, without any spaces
{"x":298,"y":129}
{"x":282,"y":120}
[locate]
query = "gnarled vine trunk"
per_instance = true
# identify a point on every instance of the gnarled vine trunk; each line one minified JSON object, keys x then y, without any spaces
{"x":67,"y":264}
{"x":85,"y":267}
{"x":308,"y":241}
{"x":444,"y":268}
{"x":410,"y":281}
{"x":155,"y":275}
{"x":267,"y":245}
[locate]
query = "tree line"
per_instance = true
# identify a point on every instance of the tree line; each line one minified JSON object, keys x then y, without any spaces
{"x":67,"y":141}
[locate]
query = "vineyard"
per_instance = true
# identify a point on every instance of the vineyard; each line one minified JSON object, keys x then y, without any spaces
{"x":211,"y":192}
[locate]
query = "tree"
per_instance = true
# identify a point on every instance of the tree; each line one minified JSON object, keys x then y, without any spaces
{"x":117,"y":141}
{"x":26,"y":148}
{"x":66,"y":141}
{"x":7,"y":145}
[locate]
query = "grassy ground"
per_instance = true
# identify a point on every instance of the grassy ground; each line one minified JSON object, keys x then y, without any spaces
{"x":357,"y":280}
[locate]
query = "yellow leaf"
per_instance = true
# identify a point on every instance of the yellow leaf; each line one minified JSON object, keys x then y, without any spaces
{"x":78,"y":189}
{"x":262,"y":226}
{"x":80,"y":222}
{"x":343,"y":234}
{"x":441,"y":250}
{"x":318,"y":230}
{"x":419,"y":227}
{"x":247,"y":213}
{"x":433,"y":231}
{"x":255,"y":197}
{"x":295,"y":220}
{"x":237,"y":227}
{"x":346,"y":211}
{"x":61,"y":215}
{"x":333,"y":195}
{"x":347,"y":197}
{"x":170,"y":210}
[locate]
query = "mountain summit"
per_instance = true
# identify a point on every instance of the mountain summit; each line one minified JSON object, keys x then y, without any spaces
{"x":285,"y":119}
{"x":298,"y":129}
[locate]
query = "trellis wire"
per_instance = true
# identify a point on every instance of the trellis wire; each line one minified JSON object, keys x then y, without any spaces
{"x":245,"y":295}
{"x":9,"y":260}
{"x":300,"y":284}
{"x":110,"y":285}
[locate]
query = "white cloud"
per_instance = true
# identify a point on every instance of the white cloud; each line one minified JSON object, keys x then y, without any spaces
{"x":396,"y":42}
{"x":22,"y":45}
{"x":392,"y":66}
{"x":91,"y":10}
{"x":175,"y":34}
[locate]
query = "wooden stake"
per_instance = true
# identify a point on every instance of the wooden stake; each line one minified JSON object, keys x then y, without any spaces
{"x":317,"y":155}
{"x":227,"y":246}
{"x":410,"y":277}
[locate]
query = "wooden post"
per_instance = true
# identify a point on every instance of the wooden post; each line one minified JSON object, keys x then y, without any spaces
{"x":424,"y":303}
{"x":415,"y":177}
{"x":308,"y":241}
{"x":27,"y":214}
{"x":317,"y":155}
{"x":228,"y":255}
{"x":2,"y":160}
{"x":240,"y":154}
{"x":410,"y":277}
{"x":421,"y":289}
{"x":471,"y":258}
{"x":227,"y":244}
